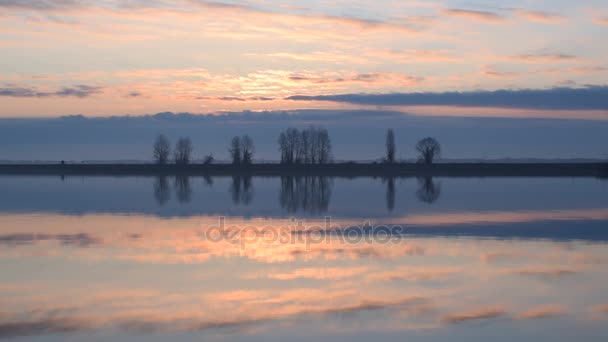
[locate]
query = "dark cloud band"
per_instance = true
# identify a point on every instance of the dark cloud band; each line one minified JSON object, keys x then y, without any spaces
{"x":76,"y":91}
{"x":588,"y":98}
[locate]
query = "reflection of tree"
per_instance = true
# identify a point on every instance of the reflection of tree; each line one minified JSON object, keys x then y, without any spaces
{"x":183,"y":191}
{"x":308,"y":193}
{"x":161,"y":190}
{"x":390,"y":193}
{"x":428,"y":190}
{"x":241,"y":190}
{"x":208,"y":180}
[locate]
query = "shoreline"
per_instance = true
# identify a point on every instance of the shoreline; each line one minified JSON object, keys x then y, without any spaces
{"x":599,"y":170}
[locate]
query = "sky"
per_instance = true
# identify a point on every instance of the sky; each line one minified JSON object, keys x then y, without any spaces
{"x":532,"y":58}
{"x":355,"y":135}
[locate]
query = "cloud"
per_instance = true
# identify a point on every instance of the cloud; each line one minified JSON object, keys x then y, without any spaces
{"x":479,"y":314}
{"x":236,"y":98}
{"x":41,"y":5}
{"x":413,"y":56}
{"x":41,"y":327}
{"x":545,"y":57}
{"x":484,"y":16}
{"x":603,"y":308}
{"x":539,"y":16}
{"x":601,"y":21}
{"x":587,"y":98}
{"x":542,"y":312}
{"x":80,"y":91}
{"x":355,"y":77}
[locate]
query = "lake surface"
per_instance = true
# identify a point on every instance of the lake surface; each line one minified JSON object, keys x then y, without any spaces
{"x":309,"y":258}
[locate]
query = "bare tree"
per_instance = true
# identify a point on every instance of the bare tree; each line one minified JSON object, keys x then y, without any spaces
{"x":208,"y":160}
{"x":183,"y":151}
{"x":304,"y":150}
{"x":428,"y":149}
{"x":161,"y":150}
{"x":324,"y":146}
{"x":309,"y":146}
{"x":247,"y":149}
{"x":235,"y":150}
{"x":283,"y":149}
{"x":289,"y":146}
{"x":390,"y":146}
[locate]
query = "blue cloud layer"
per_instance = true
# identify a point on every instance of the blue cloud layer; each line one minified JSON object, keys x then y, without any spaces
{"x":588,"y":98}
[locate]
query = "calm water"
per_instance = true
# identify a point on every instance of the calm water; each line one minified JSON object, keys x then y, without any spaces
{"x":191,"y":259}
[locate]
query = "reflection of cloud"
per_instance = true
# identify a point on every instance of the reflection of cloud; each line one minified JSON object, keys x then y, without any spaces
{"x":484,"y":313}
{"x":250,"y":312}
{"x":505,"y":217}
{"x":542,"y":312}
{"x":499,"y":257}
{"x":320,"y":273}
{"x":546,"y":274}
{"x":81,"y":239}
{"x":413,"y":274}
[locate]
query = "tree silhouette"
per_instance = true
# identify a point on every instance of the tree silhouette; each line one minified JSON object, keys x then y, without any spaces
{"x":235,"y":150}
{"x":390,"y":146}
{"x":208,"y":160}
{"x":183,"y":151}
{"x":309,"y":146}
{"x":247,"y":150}
{"x":161,"y":150}
{"x":428,"y":149}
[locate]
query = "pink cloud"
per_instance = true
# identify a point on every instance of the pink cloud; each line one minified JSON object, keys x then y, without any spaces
{"x":484,"y":16}
{"x":542,"y":312}
{"x":479,"y":314}
{"x":539,"y":16}
{"x":601,"y":21}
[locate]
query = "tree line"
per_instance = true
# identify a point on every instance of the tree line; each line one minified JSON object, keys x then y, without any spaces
{"x":308,"y":146}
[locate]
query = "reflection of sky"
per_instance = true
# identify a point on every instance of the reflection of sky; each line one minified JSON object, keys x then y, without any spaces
{"x":155,"y":278}
{"x":358,"y":198}
{"x":151,"y":272}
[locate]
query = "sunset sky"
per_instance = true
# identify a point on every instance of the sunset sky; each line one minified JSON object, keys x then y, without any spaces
{"x":116,"y":57}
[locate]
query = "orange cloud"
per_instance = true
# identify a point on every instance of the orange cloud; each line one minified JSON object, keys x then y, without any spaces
{"x":601,"y":21}
{"x":542,"y":312}
{"x":545,"y":58}
{"x":483,"y":16}
{"x":539,"y":16}
{"x":320,"y":273}
{"x":546,"y":274}
{"x":479,"y":314}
